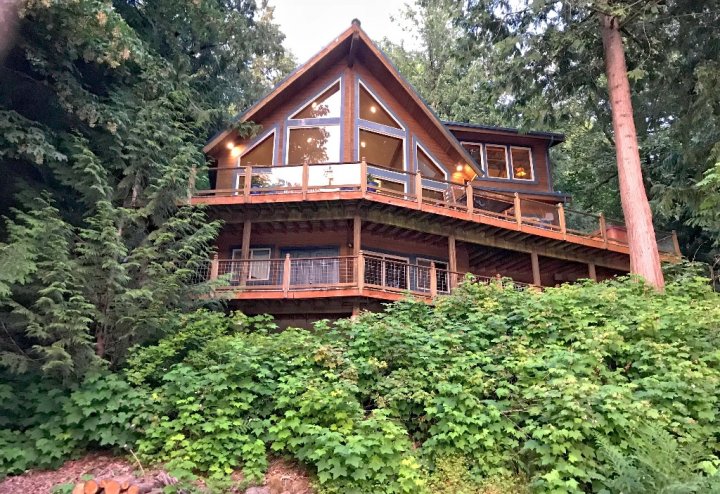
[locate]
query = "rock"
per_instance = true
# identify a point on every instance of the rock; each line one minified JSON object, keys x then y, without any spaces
{"x":258,"y":490}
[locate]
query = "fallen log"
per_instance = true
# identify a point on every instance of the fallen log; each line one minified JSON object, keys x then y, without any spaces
{"x":91,"y":487}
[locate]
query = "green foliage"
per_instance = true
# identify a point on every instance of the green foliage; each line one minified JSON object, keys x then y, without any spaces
{"x":654,"y":461}
{"x":43,"y":424}
{"x":489,"y":391}
{"x":104,"y":107}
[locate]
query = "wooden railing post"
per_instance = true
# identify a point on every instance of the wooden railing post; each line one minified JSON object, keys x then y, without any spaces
{"x":361,"y":271}
{"x":248,"y":181}
{"x":561,"y":220}
{"x":433,"y":280}
{"x":305,"y":179}
{"x":518,"y":212}
{"x":676,"y":244}
{"x":286,"y":275}
{"x":214,"y":267}
{"x":363,"y":177}
{"x":603,"y":229}
{"x":470,"y":203}
{"x":418,"y":189}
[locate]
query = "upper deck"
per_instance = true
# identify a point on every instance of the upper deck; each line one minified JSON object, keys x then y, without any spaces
{"x":507,"y":219}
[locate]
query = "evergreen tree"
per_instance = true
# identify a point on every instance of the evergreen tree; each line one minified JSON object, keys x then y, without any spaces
{"x":104,"y":109}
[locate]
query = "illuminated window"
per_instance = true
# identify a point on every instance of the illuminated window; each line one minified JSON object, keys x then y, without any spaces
{"x":373,"y":111}
{"x":496,"y":161}
{"x":383,"y":150}
{"x":314,"y":145}
{"x":326,"y":105}
{"x":261,"y":154}
{"x":522,"y":168}
{"x":427,"y":166}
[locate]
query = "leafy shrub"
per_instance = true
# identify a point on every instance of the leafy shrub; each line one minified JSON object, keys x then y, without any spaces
{"x":44,"y":424}
{"x":488,"y":383}
{"x":654,"y":461}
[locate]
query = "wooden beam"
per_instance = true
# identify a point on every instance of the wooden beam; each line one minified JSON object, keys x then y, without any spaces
{"x":357,"y":234}
{"x":591,"y":271}
{"x":352,"y":52}
{"x":245,"y":245}
{"x":535,"y":269}
{"x":452,"y":260}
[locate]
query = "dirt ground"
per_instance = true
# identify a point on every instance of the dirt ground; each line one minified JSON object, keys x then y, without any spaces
{"x":282,"y":477}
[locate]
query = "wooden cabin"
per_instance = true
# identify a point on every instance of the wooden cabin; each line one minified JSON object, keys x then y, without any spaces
{"x":354,"y":193}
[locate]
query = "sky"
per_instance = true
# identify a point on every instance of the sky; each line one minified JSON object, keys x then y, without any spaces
{"x":309,"y":25}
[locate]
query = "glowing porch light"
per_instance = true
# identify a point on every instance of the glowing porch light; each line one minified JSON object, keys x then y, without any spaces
{"x":460,"y":168}
{"x":235,"y":151}
{"x":230,"y":145}
{"x":373,"y":109}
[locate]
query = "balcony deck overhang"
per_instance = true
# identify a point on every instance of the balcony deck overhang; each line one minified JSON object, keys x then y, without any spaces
{"x":473,"y":215}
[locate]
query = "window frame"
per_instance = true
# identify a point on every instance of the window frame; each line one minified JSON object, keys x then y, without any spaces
{"x":290,"y":127}
{"x":419,"y":147}
{"x":379,"y":101}
{"x":507,"y":161}
{"x":240,"y":169}
{"x":532,"y":164}
{"x":360,"y":127}
{"x":251,"y":253}
{"x":295,"y":123}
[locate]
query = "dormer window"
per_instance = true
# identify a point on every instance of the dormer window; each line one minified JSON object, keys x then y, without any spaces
{"x":503,"y":162}
{"x":314,"y":132}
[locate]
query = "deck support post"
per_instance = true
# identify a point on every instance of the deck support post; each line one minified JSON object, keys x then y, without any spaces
{"x":248,"y":182}
{"x":361,"y":271}
{"x":245,"y":252}
{"x":469,"y":202}
{"x":305,"y":179}
{"x":214,"y":267}
{"x":676,"y":244}
{"x":286,"y":275}
{"x":452,"y":262}
{"x":603,"y":229}
{"x":518,"y":212}
{"x":418,"y":189}
{"x":433,"y":280}
{"x":355,"y":311}
{"x":591,"y":271}
{"x":535,"y":261}
{"x":357,"y":234}
{"x":561,"y":220}
{"x":363,"y":176}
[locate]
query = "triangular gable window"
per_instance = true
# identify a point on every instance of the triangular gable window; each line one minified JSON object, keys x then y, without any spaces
{"x":427,"y":166}
{"x":326,"y":105}
{"x":373,"y":111}
{"x":261,"y":154}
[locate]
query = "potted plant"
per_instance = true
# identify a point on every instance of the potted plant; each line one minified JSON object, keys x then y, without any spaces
{"x":373,"y":183}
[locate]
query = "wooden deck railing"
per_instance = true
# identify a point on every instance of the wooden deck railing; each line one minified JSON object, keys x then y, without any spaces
{"x":363,"y":273}
{"x":412,"y":190}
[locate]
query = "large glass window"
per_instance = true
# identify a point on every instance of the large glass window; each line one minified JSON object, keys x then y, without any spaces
{"x":427,"y":166}
{"x":314,"y":145}
{"x":521,"y":163}
{"x":372,"y":110}
{"x":383,"y":150}
{"x":326,"y":105}
{"x":261,"y":154}
{"x":496,"y":160}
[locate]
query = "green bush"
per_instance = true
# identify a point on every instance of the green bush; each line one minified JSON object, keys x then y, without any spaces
{"x":486,"y":385}
{"x":43,"y":424}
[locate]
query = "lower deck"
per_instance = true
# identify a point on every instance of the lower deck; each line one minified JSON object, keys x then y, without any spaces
{"x":297,"y":267}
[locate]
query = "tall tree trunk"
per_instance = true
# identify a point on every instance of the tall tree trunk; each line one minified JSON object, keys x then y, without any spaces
{"x":644,"y":257}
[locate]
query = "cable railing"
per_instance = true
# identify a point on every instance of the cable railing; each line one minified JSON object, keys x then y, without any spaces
{"x":362,"y":272}
{"x":412,"y":190}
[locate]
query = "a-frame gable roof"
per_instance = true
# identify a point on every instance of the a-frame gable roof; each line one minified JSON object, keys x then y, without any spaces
{"x":353,"y":44}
